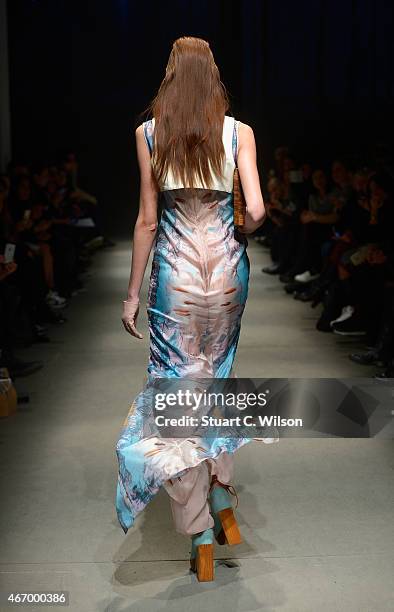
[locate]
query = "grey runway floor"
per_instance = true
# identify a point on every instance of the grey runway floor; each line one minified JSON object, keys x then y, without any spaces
{"x":316,"y":515}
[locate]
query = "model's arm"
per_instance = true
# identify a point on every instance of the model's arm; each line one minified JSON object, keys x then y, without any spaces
{"x":249,"y":175}
{"x":144,"y":233}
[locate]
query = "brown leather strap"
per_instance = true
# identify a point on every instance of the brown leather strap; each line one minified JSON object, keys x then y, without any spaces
{"x":229,"y":488}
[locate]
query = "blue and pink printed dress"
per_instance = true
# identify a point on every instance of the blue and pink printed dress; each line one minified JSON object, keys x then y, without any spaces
{"x":197,"y":294}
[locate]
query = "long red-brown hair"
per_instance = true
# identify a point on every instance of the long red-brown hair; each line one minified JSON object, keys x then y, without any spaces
{"x":189,"y":110}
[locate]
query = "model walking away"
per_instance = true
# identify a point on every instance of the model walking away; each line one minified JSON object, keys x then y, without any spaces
{"x":197,"y":292}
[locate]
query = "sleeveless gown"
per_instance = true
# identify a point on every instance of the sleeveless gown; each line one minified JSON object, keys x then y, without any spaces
{"x":197,"y":294}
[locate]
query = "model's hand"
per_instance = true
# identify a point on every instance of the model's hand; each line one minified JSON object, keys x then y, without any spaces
{"x":129,"y":317}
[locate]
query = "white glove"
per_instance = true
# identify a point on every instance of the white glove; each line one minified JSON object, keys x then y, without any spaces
{"x":129,"y":317}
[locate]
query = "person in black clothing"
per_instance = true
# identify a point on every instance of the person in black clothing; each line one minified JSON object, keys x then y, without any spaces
{"x":363,"y":269}
{"x":18,"y":288}
{"x":281,"y":211}
{"x":39,"y":210}
{"x":315,"y":228}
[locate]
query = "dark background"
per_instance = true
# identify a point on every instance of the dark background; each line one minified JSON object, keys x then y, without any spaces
{"x":316,"y":75}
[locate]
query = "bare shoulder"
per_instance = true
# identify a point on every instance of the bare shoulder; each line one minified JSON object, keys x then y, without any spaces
{"x":244,"y":127}
{"x":139,"y":130}
{"x":140,"y":137}
{"x":246,"y":134}
{"x":142,"y":145}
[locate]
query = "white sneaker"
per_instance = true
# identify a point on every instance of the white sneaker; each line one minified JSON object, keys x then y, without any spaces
{"x":305,"y":277}
{"x":347,"y":312}
{"x":55,"y":300}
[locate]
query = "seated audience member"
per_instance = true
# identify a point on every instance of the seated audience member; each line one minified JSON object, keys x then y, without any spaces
{"x":87,"y":202}
{"x":346,"y":233}
{"x":344,"y":255}
{"x":316,"y":228}
{"x":342,"y":189}
{"x":382,"y":351}
{"x":281,"y":154}
{"x":43,"y":249}
{"x":362,"y":269}
{"x":31,"y":231}
{"x":11,"y":298}
{"x":281,"y":211}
